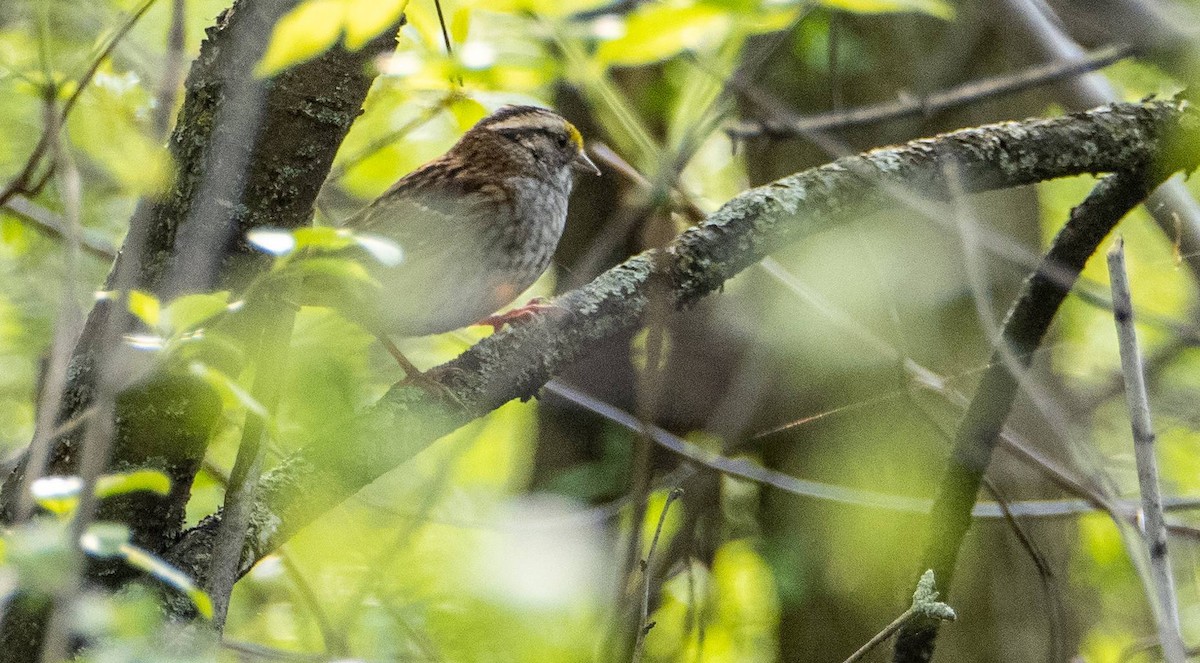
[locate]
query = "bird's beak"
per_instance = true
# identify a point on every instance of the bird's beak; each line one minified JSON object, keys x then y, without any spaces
{"x":584,"y":165}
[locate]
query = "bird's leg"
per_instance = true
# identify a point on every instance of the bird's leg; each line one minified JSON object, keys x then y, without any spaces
{"x":417,"y":377}
{"x":521,"y":314}
{"x":410,"y":370}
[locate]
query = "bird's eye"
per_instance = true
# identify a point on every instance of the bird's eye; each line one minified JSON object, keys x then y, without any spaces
{"x":562,"y":140}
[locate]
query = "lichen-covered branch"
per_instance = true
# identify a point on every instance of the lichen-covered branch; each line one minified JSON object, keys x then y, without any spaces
{"x":517,"y":362}
{"x":1023,"y":329}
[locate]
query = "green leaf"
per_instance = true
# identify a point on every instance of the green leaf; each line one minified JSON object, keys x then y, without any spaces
{"x":111,"y":540}
{"x":105,"y":540}
{"x":153,"y":481}
{"x":385,"y":251}
{"x":303,"y":33}
{"x":211,"y":349}
{"x":658,"y":31}
{"x":146,"y":307}
{"x":152,"y":342}
{"x":334,"y":272}
{"x":171,"y":576}
{"x":190,"y":311}
{"x":57,"y":494}
{"x":232,"y":394}
{"x":367,"y":18}
{"x":938,"y":8}
{"x":39,"y":552}
{"x":460,"y":25}
{"x":272,"y":241}
{"x":329,"y":239}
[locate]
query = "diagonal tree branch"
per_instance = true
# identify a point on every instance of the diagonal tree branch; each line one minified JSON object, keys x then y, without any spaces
{"x":517,"y":362}
{"x":1026,"y":324}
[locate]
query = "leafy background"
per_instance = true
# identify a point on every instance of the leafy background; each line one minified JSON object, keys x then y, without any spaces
{"x":505,"y":540}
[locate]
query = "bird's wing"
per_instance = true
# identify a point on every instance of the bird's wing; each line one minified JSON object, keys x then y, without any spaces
{"x":431,"y":218}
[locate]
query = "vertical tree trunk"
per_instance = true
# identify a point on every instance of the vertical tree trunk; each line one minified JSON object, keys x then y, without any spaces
{"x":248,"y":152}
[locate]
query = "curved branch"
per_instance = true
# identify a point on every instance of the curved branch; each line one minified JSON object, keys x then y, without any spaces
{"x":1024,"y":327}
{"x":517,"y":362}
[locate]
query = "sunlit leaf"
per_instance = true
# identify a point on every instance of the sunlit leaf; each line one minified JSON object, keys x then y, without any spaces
{"x":214,"y":350}
{"x":331,"y":272}
{"x":57,"y":494}
{"x":171,"y":576}
{"x":939,"y":8}
{"x":549,"y":8}
{"x":146,"y":307}
{"x":467,"y":111}
{"x":367,"y":18}
{"x":323,"y":237}
{"x":384,"y":250}
{"x":153,"y":481}
{"x":232,"y":393}
{"x":460,"y":25}
{"x":274,"y":241}
{"x":104,"y":539}
{"x":656,"y":32}
{"x":303,"y":33}
{"x":190,"y":311}
{"x":109,"y":540}
{"x":112,"y":111}
{"x":145,"y":341}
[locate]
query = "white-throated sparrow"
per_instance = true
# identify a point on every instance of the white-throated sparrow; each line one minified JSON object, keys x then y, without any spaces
{"x":477,"y":225}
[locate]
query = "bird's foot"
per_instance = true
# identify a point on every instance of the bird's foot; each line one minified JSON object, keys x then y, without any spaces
{"x":428,"y":382}
{"x":425,"y":380}
{"x":521,"y":314}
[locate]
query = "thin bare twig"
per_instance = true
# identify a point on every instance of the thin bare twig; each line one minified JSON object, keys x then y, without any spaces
{"x":745,"y":470}
{"x":936,"y":102}
{"x":1172,"y":206}
{"x":924,"y":604}
{"x":48,"y":223}
{"x":22,"y":183}
{"x":1166,"y":613}
{"x":701,"y":259}
{"x":333,"y":640}
{"x":1023,"y":329}
{"x":644,"y":625}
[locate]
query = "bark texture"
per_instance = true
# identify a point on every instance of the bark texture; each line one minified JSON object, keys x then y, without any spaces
{"x":517,"y":362}
{"x":248,"y":152}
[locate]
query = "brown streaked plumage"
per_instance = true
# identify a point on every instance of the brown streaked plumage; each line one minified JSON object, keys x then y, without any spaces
{"x":477,"y":225}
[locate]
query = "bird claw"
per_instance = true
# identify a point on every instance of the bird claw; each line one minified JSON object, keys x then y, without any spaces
{"x":521,"y":314}
{"x":428,"y":382}
{"x":424,"y":380}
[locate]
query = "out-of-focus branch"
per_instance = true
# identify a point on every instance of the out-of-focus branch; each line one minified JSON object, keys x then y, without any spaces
{"x":24,"y":182}
{"x":1024,"y":327}
{"x":163,"y":420}
{"x":517,"y":362}
{"x":48,"y":223}
{"x":959,"y":95}
{"x":1173,"y":207}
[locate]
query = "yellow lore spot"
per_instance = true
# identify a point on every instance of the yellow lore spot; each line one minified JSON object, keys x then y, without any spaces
{"x":576,"y":137}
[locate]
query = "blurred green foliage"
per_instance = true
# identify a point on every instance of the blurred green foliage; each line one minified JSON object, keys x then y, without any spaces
{"x":451,"y":557}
